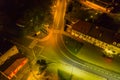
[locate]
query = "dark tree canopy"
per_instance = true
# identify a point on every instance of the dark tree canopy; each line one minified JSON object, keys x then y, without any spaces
{"x":106,"y":21}
{"x":29,"y":13}
{"x":75,"y":11}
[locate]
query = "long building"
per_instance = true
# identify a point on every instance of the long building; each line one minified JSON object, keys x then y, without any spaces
{"x":10,"y":69}
{"x":11,"y":60}
{"x":98,"y":36}
{"x":101,"y":5}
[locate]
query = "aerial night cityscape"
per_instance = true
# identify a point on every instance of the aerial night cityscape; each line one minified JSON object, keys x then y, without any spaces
{"x":59,"y":39}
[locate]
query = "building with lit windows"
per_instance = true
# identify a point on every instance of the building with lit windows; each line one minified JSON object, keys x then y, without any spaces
{"x":99,"y":36}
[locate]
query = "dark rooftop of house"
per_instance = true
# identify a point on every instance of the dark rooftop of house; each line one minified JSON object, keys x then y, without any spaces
{"x":103,"y":34}
{"x":8,"y":62}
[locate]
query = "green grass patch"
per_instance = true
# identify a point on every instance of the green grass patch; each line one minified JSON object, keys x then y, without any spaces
{"x":73,"y":45}
{"x":64,"y":75}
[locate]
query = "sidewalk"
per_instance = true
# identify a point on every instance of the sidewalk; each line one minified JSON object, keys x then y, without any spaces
{"x":41,"y":39}
{"x":37,"y":39}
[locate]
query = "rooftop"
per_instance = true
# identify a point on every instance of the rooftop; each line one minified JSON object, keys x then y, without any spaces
{"x":9,"y":61}
{"x":101,"y":33}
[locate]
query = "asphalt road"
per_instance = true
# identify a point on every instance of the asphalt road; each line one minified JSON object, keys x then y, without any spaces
{"x":110,"y":75}
{"x":63,"y":52}
{"x":59,"y":24}
{"x":59,"y":15}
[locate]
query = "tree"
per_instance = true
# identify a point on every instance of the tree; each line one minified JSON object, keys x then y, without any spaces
{"x":75,"y":12}
{"x":106,"y":21}
{"x":35,"y":17}
{"x":43,"y":65}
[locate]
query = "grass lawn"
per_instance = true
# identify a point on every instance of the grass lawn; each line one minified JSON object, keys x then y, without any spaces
{"x":73,"y":45}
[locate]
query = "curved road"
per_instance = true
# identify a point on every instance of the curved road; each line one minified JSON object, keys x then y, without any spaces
{"x":67,"y":56}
